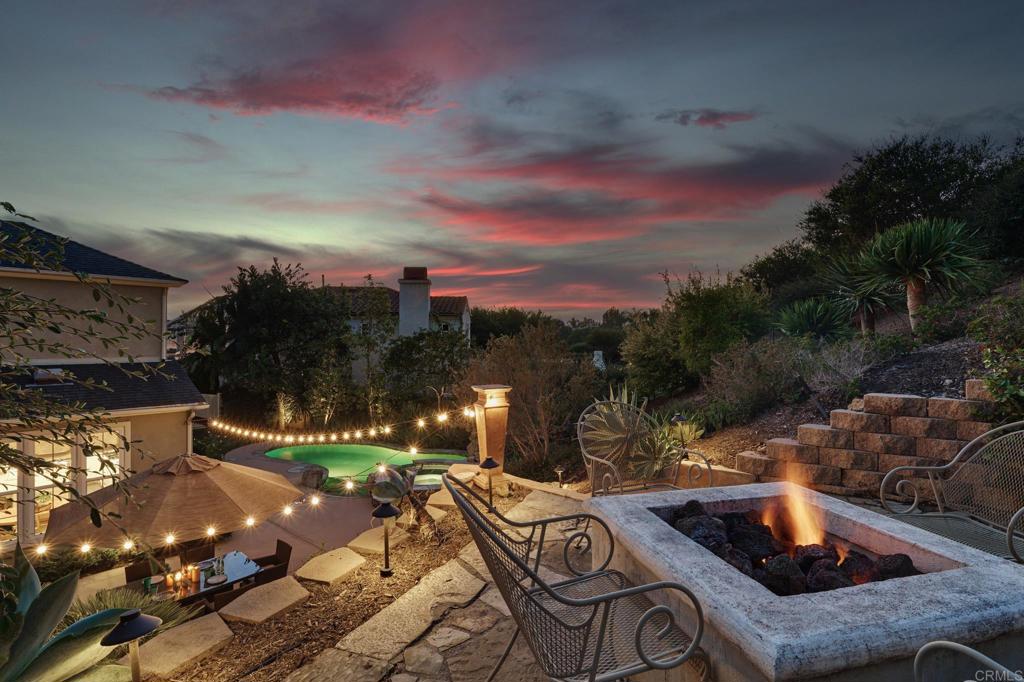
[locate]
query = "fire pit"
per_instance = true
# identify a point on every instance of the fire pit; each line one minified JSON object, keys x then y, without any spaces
{"x":867,"y":626}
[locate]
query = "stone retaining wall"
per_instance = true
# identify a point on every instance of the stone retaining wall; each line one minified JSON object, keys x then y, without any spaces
{"x":861,"y":444}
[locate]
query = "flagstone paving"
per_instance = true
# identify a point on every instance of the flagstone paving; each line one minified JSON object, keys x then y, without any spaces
{"x":264,"y":602}
{"x":179,"y":647}
{"x":372,"y":541}
{"x":452,"y":626}
{"x":330,"y":568}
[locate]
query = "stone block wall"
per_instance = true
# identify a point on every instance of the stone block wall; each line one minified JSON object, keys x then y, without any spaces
{"x":852,"y":453}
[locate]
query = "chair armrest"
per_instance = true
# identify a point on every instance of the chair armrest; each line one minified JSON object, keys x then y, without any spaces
{"x":696,"y":473}
{"x":907,"y":487}
{"x":611,"y":477}
{"x":1014,"y":522}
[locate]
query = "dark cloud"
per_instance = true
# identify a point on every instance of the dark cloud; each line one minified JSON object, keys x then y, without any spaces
{"x":195,"y":148}
{"x":718,"y":119}
{"x":1003,"y":124}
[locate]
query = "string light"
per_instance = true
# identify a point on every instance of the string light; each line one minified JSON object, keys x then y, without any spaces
{"x":128,"y":545}
{"x":287,"y":511}
{"x":85,"y":548}
{"x":381,"y":468}
{"x":413,"y":451}
{"x":346,"y":435}
{"x":443,"y":417}
{"x":41,"y":550}
{"x":350,"y":484}
{"x":387,"y":429}
{"x":421,"y":423}
{"x":169,"y":539}
{"x":250,"y":522}
{"x":314,"y":501}
{"x":358,"y":434}
{"x":373,"y":433}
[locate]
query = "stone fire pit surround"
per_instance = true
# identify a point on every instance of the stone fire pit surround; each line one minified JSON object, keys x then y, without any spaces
{"x":865,"y":632}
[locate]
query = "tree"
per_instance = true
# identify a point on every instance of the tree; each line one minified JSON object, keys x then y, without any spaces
{"x":786,"y":273}
{"x":374,"y":329}
{"x":550,"y":386}
{"x":998,"y":213}
{"x":431,"y":361}
{"x":923,"y":256}
{"x":848,"y":280}
{"x":654,"y":363}
{"x":904,"y":180}
{"x":31,"y":326}
{"x":487,"y":323}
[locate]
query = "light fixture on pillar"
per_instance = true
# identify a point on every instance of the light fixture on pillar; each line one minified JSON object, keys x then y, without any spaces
{"x":133,"y":625}
{"x":491,"y":413}
{"x":488,"y":467}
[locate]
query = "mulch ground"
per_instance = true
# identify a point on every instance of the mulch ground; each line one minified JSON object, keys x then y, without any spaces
{"x":272,"y":650}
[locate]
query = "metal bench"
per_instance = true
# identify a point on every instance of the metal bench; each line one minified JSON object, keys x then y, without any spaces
{"x":979,"y":494}
{"x":609,"y":431}
{"x":593,"y":627}
{"x":988,"y":668}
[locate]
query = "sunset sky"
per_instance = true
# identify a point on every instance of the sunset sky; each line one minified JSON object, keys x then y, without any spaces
{"x":551,"y":154}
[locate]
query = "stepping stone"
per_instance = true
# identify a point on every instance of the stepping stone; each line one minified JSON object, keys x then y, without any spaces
{"x":492,"y":597}
{"x":372,"y":541}
{"x":266,"y":601}
{"x":176,"y":649}
{"x":475,"y":618}
{"x":330,"y":568}
{"x":444,"y":637}
{"x":334,"y":665}
{"x":424,"y":659}
{"x":435,"y":513}
{"x":465,"y":476}
{"x":402,"y":622}
{"x":442,"y":498}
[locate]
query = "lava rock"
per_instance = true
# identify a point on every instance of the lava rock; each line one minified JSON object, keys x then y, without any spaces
{"x":896,"y":566}
{"x":691,"y":508}
{"x":755,"y":543}
{"x":704,"y":530}
{"x":736,"y":558}
{"x":859,"y":567}
{"x":734,"y":520}
{"x":807,"y":555}
{"x":784,"y":577}
{"x":825,"y":575}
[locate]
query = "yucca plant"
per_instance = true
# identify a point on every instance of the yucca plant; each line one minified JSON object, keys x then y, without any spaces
{"x":924,"y":256}
{"x":170,"y":612}
{"x":819,"y":318}
{"x":611,"y":430}
{"x":848,"y":281}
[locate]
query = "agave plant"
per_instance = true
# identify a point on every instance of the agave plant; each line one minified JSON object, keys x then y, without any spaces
{"x":820,"y":318}
{"x":924,"y":256}
{"x":31,"y":614}
{"x":848,"y":279}
{"x":611,"y":427}
{"x":170,"y":612}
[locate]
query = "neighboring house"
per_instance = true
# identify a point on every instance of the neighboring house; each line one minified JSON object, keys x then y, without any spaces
{"x":413,"y":306}
{"x":153,"y":414}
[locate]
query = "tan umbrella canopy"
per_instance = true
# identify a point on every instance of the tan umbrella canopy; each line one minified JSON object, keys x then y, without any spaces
{"x":183,"y":497}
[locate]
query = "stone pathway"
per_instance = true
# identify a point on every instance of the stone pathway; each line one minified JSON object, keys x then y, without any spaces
{"x":451,"y":627}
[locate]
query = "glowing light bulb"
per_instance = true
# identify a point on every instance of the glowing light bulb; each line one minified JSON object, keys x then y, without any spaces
{"x":246,"y":433}
{"x":443,"y":417}
{"x":128,"y":545}
{"x":302,"y":439}
{"x":169,"y":539}
{"x":321,"y":438}
{"x":315,"y":500}
{"x":287,"y":511}
{"x":359,"y":434}
{"x":211,"y":531}
{"x":381,"y":468}
{"x":345,"y":435}
{"x":250,"y":522}
{"x":334,"y":437}
{"x":41,"y":549}
{"x":373,"y":432}
{"x":413,"y":451}
{"x":85,"y":548}
{"x":387,"y":429}
{"x":350,"y":484}
{"x":421,"y":423}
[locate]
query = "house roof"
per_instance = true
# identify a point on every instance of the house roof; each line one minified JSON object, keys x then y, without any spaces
{"x":439,"y":305}
{"x":81,"y":258}
{"x":123,"y":392}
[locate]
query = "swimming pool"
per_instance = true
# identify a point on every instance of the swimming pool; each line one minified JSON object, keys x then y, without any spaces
{"x":357,"y":461}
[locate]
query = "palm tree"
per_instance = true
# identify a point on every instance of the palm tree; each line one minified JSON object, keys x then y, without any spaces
{"x":925,"y":256}
{"x":848,"y":279}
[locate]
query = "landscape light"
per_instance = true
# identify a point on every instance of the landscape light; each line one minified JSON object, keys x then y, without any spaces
{"x":250,"y":522}
{"x":128,"y":545}
{"x":169,"y":539}
{"x":41,"y":550}
{"x":133,"y":625}
{"x":210,"y":531}
{"x":85,"y":548}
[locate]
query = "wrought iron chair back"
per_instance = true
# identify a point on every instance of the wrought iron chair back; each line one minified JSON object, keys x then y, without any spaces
{"x":609,"y":432}
{"x":567,"y":634}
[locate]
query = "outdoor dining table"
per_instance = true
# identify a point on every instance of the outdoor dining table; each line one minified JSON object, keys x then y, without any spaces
{"x":237,"y":567}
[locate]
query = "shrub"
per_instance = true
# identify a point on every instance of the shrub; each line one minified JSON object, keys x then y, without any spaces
{"x":170,"y":612}
{"x":1000,"y":322}
{"x":654,"y":364}
{"x":817,"y":318}
{"x":835,"y":370}
{"x":57,"y":564}
{"x":1000,"y":326}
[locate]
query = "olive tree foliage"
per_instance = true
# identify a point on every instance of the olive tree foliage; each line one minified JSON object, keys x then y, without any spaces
{"x":551,"y":386}
{"x":374,"y":329}
{"x":427,"y":364}
{"x":33,"y":326}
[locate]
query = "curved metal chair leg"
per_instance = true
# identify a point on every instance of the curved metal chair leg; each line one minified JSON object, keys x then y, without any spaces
{"x":508,"y":650}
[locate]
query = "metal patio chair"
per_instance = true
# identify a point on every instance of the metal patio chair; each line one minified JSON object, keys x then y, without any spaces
{"x":979,"y":494}
{"x":1000,"y":671}
{"x":593,"y":627}
{"x":609,"y":431}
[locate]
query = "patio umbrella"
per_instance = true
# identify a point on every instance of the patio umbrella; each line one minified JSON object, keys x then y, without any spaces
{"x":183,"y":496}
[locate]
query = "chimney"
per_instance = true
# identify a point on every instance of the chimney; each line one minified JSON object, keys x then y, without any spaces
{"x":413,"y":301}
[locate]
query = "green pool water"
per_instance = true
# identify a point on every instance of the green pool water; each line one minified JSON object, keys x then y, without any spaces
{"x":358,"y":460}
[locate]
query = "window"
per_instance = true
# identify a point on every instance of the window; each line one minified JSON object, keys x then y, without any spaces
{"x":106,"y":459}
{"x":9,"y":500}
{"x":48,"y":495}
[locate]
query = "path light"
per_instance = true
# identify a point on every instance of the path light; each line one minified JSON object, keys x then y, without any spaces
{"x":489,"y":466}
{"x":559,"y":470}
{"x":133,"y":625}
{"x":386,"y":490}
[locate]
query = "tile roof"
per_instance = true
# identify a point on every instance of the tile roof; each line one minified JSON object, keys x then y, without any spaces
{"x":439,"y":305}
{"x":81,"y":258}
{"x":125,"y":392}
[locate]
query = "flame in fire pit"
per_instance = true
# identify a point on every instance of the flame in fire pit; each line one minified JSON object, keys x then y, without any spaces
{"x":802,"y":525}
